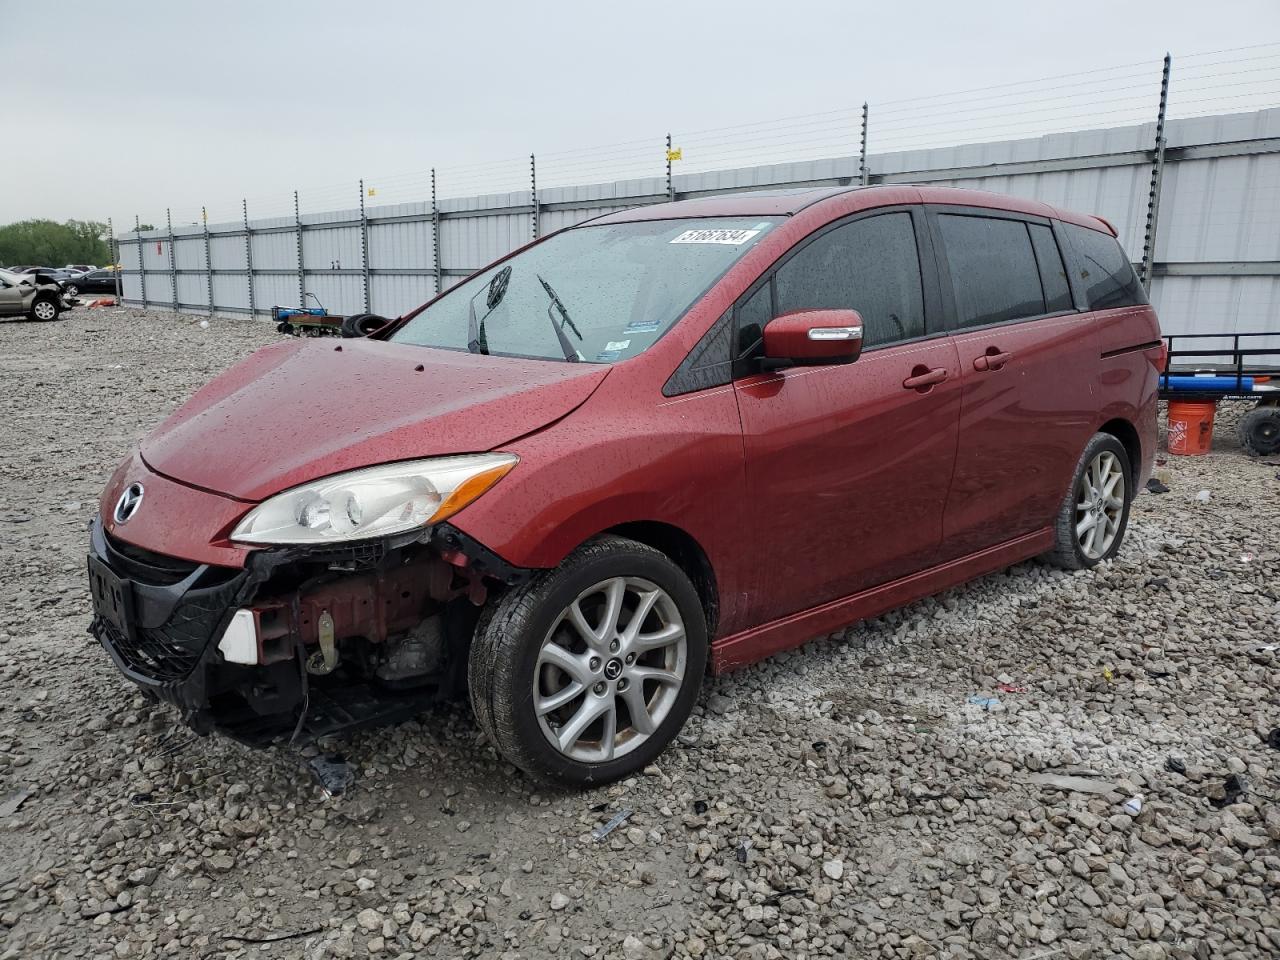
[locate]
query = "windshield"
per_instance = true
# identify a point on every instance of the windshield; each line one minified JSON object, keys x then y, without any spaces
{"x":595,"y":294}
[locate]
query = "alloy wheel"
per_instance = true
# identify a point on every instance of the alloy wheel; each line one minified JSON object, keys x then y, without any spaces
{"x":44,"y":310}
{"x":1100,"y":497}
{"x":610,"y":669}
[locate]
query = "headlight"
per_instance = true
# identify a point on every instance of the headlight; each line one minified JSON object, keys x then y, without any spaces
{"x":375,"y":501}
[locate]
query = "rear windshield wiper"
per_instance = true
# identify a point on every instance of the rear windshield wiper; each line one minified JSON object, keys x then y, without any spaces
{"x":570,"y":354}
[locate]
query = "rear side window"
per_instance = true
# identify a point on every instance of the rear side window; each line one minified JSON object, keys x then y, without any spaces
{"x":870,"y":265}
{"x":1053,"y":274}
{"x":994,"y":274}
{"x":1106,"y":273}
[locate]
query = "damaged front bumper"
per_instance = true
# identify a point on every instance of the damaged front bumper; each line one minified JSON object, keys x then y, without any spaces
{"x":300,"y":642}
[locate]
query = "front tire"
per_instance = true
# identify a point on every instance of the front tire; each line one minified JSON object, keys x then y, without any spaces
{"x":1091,"y":522}
{"x":72,"y":291}
{"x":584,"y":674}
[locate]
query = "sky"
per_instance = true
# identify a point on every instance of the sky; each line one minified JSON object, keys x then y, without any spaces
{"x":127,"y":108}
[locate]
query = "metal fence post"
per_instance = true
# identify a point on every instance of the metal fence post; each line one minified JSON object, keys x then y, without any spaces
{"x":248,"y":253}
{"x":115,"y":257}
{"x":533,"y":191}
{"x":364,"y":248}
{"x":435,"y":230}
{"x":1157,"y":179}
{"x":208,"y":260}
{"x":297,"y":224}
{"x":864,"y":175}
{"x":142,"y":270}
{"x":671,"y":189}
{"x":173,"y":261}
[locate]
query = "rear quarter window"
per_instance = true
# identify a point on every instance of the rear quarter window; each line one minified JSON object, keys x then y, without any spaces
{"x":1106,"y":274}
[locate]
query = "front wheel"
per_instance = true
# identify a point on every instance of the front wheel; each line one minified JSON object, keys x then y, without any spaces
{"x":72,"y":291}
{"x":584,"y":674}
{"x":1095,"y":512}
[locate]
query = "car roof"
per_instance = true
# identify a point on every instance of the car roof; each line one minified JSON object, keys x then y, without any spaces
{"x":748,"y":203}
{"x":788,"y":202}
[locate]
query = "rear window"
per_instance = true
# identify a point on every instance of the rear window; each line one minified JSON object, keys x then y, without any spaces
{"x":993,"y":269}
{"x":1108,"y":277}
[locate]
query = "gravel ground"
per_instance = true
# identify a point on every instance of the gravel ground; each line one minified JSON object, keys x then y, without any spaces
{"x":844,"y":800}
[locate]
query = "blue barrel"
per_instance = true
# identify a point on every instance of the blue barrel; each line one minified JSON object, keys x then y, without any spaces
{"x":1209,"y":384}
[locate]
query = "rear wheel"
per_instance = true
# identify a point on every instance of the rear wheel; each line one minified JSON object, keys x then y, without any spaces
{"x":585,"y":673}
{"x":1095,"y":512}
{"x":45,"y":308}
{"x":1260,"y":431}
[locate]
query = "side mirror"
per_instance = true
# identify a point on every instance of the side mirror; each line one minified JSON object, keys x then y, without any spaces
{"x":812,"y":337}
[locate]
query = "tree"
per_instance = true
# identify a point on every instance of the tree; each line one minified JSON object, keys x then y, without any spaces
{"x":49,"y":244}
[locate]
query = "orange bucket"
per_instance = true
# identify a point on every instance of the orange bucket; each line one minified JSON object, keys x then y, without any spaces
{"x":1191,"y":426}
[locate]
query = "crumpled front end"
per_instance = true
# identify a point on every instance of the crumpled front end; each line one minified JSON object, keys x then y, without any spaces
{"x":297,"y":642}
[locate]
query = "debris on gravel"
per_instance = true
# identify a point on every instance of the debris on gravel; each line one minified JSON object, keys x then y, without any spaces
{"x":849,"y":798}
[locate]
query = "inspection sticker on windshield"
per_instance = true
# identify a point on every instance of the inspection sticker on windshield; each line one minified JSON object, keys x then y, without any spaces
{"x":733,"y":237}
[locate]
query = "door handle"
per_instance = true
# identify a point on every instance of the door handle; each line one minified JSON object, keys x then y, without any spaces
{"x":922,"y":377}
{"x":993,"y":359}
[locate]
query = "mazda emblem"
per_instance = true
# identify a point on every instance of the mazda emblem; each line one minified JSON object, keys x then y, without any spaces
{"x":129,"y":502}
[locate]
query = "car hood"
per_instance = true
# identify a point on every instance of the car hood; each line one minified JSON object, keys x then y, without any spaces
{"x":304,"y":409}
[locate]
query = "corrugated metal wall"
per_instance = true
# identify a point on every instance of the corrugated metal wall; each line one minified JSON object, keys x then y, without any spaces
{"x":1217,"y":257}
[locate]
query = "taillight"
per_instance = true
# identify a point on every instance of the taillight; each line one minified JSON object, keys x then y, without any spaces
{"x":1162,"y":362}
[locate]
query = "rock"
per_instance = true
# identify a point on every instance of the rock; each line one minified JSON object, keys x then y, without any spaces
{"x":833,"y":869}
{"x":559,"y":901}
{"x":369,"y":919}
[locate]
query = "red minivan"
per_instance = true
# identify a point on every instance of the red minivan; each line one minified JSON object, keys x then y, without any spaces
{"x":676,"y":438}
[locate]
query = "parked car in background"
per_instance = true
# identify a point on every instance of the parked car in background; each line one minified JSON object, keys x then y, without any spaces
{"x":22,"y":294}
{"x":64,"y":278}
{"x":80,"y":267}
{"x":97,"y":281}
{"x":682,"y":435}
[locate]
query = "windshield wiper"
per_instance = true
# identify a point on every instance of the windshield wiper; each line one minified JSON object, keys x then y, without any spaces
{"x":496,"y":289}
{"x":475,"y":334}
{"x":570,"y":354}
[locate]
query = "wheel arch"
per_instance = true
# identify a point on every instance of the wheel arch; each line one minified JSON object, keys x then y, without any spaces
{"x":685,"y":552}
{"x":1124,"y":431}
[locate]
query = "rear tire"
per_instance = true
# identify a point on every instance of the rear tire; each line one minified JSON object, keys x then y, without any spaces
{"x":1094,"y":514}
{"x":1260,"y":432}
{"x":44,"y":309}
{"x":562,"y":684}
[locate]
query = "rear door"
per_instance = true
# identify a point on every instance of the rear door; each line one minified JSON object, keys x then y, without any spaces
{"x":1028,"y":366}
{"x":848,"y":466}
